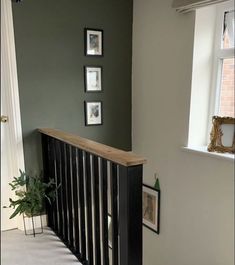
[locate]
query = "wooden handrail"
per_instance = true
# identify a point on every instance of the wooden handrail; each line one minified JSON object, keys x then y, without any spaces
{"x":115,"y":155}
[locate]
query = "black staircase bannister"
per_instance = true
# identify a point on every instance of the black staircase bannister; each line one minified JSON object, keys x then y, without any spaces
{"x":82,"y":170}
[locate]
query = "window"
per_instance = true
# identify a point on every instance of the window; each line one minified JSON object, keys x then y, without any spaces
{"x":212,"y":91}
{"x":224,"y":62}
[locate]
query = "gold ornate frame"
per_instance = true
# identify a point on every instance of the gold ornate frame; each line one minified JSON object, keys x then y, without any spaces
{"x":217,"y":133}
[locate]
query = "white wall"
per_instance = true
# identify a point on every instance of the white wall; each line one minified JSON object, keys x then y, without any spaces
{"x":197,"y":191}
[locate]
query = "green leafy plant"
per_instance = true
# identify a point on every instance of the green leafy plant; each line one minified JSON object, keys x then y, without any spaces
{"x":31,"y":193}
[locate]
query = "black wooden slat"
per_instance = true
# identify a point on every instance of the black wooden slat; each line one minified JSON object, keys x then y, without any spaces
{"x":47,"y":163}
{"x":52,"y":175}
{"x":64,"y":193}
{"x":96,"y":209}
{"x":60,"y":190}
{"x":104,"y":209}
{"x":75,"y":200}
{"x":69,"y":197}
{"x":82,"y":228}
{"x":55,"y":200}
{"x":114,"y":210}
{"x":49,"y":175}
{"x":130,"y":207}
{"x":89,"y":208}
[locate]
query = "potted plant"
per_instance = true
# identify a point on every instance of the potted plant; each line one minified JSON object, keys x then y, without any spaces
{"x":31,"y":193}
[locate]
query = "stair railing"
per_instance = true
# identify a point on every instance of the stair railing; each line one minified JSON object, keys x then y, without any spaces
{"x":86,"y":172}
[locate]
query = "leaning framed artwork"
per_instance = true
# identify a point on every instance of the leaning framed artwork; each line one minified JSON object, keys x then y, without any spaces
{"x":222,"y":135}
{"x":93,"y":78}
{"x":93,"y":42}
{"x":151,"y":208}
{"x":93,"y":113}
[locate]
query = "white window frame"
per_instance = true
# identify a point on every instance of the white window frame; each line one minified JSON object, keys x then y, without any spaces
{"x":219,"y":55}
{"x":205,"y":77}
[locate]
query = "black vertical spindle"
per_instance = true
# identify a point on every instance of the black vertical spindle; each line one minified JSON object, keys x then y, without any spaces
{"x":114,"y":209}
{"x":46,"y":157}
{"x":104,"y":210}
{"x":60,"y":190}
{"x":53,"y":205}
{"x":49,"y":175}
{"x":96,"y":186}
{"x":89,"y":208}
{"x":82,"y":229}
{"x":57,"y":191}
{"x":130,"y":210}
{"x":69,"y":196}
{"x":64,"y":192}
{"x":75,"y":201}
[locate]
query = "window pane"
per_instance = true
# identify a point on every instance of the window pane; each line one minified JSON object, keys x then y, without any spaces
{"x":226,"y":107}
{"x":228,"y":30}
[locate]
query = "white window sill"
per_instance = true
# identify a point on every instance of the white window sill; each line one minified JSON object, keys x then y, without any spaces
{"x":202,"y":150}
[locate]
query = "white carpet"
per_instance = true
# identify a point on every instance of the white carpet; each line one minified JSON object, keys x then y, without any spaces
{"x":44,"y":249}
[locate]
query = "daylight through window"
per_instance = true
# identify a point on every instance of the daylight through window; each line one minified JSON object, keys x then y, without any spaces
{"x":225,"y":65}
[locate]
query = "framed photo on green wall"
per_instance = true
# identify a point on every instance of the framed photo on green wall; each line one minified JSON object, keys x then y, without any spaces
{"x":93,"y":113}
{"x":93,"y":78}
{"x":93,"y":42}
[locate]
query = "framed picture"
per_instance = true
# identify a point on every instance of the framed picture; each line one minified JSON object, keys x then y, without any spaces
{"x":93,"y":113}
{"x":93,"y":78}
{"x":151,"y":208}
{"x":93,"y":42}
{"x":222,"y":135}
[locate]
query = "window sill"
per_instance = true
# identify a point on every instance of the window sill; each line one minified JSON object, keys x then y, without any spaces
{"x":202,"y":150}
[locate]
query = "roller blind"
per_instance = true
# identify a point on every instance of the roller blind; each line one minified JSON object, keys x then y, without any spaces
{"x":183,"y":6}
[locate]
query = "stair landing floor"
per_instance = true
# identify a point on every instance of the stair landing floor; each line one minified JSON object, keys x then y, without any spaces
{"x":44,"y":249}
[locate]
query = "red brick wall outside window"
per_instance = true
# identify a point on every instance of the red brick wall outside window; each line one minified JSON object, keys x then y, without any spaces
{"x":226,"y":106}
{"x":227,"y":89}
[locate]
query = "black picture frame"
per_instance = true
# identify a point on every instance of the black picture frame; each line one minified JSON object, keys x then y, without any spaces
{"x":93,"y":42}
{"x":98,"y":87}
{"x":93,"y":113}
{"x":151,"y":203}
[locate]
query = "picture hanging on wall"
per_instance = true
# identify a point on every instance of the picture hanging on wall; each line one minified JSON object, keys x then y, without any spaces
{"x":93,"y":42}
{"x":151,"y":208}
{"x":93,"y":113}
{"x":93,"y":78}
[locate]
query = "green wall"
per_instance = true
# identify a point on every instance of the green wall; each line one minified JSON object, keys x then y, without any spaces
{"x":50,"y":59}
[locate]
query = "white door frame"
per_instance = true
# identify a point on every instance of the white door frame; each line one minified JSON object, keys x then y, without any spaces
{"x":9,"y":61}
{"x":10,"y":79}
